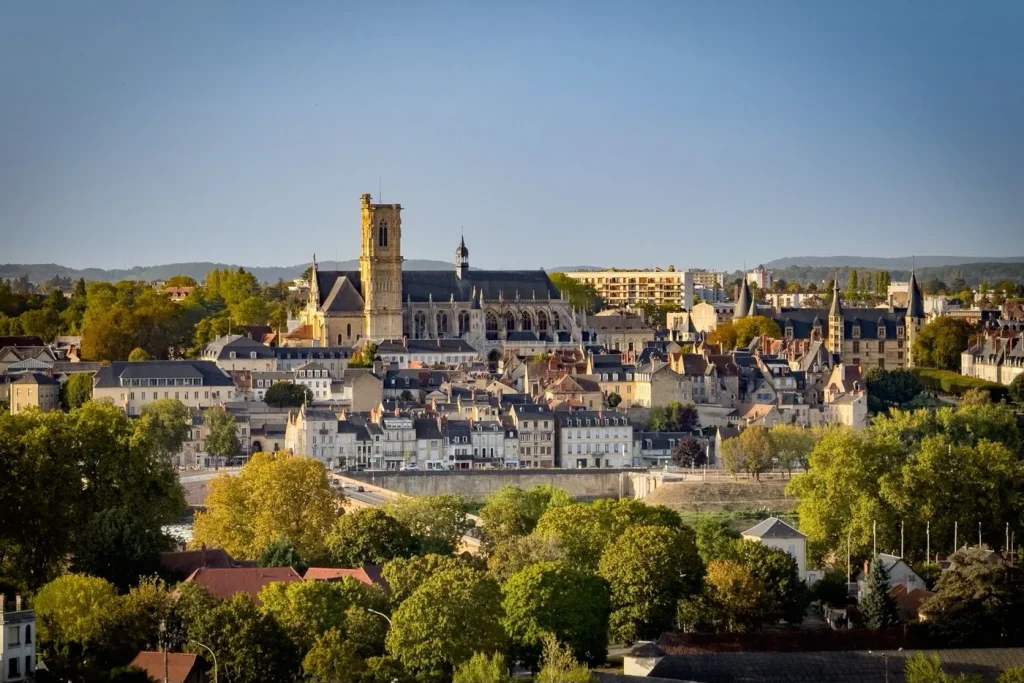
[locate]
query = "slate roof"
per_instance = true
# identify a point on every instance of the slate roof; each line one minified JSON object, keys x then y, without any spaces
{"x":915,"y":303}
{"x":426,"y":428}
{"x":343,"y":298}
{"x":243,"y":347}
{"x":212,"y":376}
{"x":588,"y":418}
{"x":773,"y":527}
{"x":312,"y":352}
{"x":744,"y":302}
{"x":399,"y":346}
{"x":22,"y":340}
{"x":35,"y":378}
{"x":420,"y":286}
{"x":803,"y":321}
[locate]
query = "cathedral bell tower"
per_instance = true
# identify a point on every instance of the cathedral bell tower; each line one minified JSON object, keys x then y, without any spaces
{"x":380,"y":269}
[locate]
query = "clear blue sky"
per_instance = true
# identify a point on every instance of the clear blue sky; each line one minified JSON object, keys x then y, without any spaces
{"x":701,"y":134}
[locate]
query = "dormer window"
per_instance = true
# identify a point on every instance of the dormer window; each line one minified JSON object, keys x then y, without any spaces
{"x":900,"y":332}
{"x":252,"y":354}
{"x":856,"y":331}
{"x":231,"y":355}
{"x":881,"y":331}
{"x":789,"y":331}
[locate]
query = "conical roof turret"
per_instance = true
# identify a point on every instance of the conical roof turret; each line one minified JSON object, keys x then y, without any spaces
{"x":836,"y":309}
{"x":744,"y":302}
{"x":915,"y":299}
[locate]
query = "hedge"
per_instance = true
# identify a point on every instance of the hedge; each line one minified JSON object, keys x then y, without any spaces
{"x":949,"y":382}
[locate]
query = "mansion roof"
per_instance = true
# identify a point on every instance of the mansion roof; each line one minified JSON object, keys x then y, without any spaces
{"x":871,"y":320}
{"x":198,"y":372}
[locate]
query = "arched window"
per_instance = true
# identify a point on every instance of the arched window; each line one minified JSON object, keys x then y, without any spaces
{"x":510,"y":322}
{"x":556,"y":322}
{"x":339,"y":338}
{"x":382,"y":233}
{"x":542,"y":322}
{"x":491,"y":325}
{"x":463,"y":323}
{"x":419,"y":325}
{"x":348,"y":330}
{"x":442,"y":324}
{"x":527,"y":321}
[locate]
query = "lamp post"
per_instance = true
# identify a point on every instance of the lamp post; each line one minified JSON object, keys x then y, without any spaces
{"x":380,"y":614}
{"x":212,"y":654}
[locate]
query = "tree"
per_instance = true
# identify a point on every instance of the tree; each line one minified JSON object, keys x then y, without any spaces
{"x":1015,"y":674}
{"x":134,"y":624}
{"x":551,"y":598}
{"x":614,"y":400}
{"x":287,"y":394}
{"x":922,"y":668}
{"x":785,"y":595}
{"x":406,"y":395}
{"x":878,"y":606}
{"x":731,"y":601}
{"x":890,"y":388}
{"x":163,"y":426}
{"x":688,"y":452}
{"x":191,"y":602}
{"x":977,"y":601}
{"x":72,"y":613}
{"x":940,"y":343}
{"x":120,"y":547}
{"x":581,"y":294}
{"x":306,"y":610}
{"x":582,"y":531}
{"x":222,"y":433}
{"x":852,"y":285}
{"x":282,"y":553}
{"x":831,"y":589}
{"x":249,"y":645}
{"x":364,"y":357}
{"x":275,"y":496}
{"x":512,"y":512}
{"x":674,"y":417}
{"x":76,"y":390}
{"x":559,"y":665}
{"x":451,"y":616}
{"x":138,"y":354}
{"x":439,"y":521}
{"x":369,"y":536}
{"x":715,"y":539}
{"x":482,"y":668}
{"x":648,"y":570}
{"x":405,"y":575}
{"x":750,"y":452}
{"x":791,"y":446}
{"x":181,"y":281}
{"x":518,"y":552}
{"x":333,"y":659}
{"x":739,"y":333}
{"x":1017,"y":389}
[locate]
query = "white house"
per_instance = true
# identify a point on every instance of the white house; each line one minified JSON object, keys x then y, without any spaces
{"x":592,"y":438}
{"x":315,"y":433}
{"x":775,"y":533}
{"x":900,"y":574}
{"x":316,"y":378}
{"x":17,"y":641}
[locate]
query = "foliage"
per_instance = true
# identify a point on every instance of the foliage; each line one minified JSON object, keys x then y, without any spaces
{"x":551,"y":598}
{"x":750,"y":452}
{"x":405,"y":575}
{"x":613,"y":400}
{"x":287,"y":395}
{"x":191,"y":601}
{"x":582,"y":531}
{"x":67,"y":468}
{"x":305,"y":610}
{"x":581,"y":294}
{"x":481,"y":668}
{"x":887,"y":388}
{"x":163,"y":426}
{"x":785,"y":595}
{"x":1016,"y":389}
{"x":940,"y":343}
{"x":559,"y":665}
{"x":688,"y":452}
{"x":922,"y":668}
{"x":878,"y":606}
{"x":1015,"y":674}
{"x":739,"y":333}
{"x":76,"y":390}
{"x":715,"y":539}
{"x":950,"y":382}
{"x":929,"y":573}
{"x":439,"y":522}
{"x":332,"y":659}
{"x":72,"y":613}
{"x":134,"y":623}
{"x":516,"y":553}
{"x":674,"y":417}
{"x":364,"y":357}
{"x":731,"y":601}
{"x":249,"y":645}
{"x":138,"y":354}
{"x":977,"y":602}
{"x":118,"y":546}
{"x":512,"y":512}
{"x":222,"y":433}
{"x":369,"y":536}
{"x":181,"y":281}
{"x":648,"y":569}
{"x":452,"y":615}
{"x":275,"y":496}
{"x":831,"y":589}
{"x":791,"y":445}
{"x":281,"y":552}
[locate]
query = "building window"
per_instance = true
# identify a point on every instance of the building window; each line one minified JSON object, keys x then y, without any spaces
{"x":13,"y":670}
{"x":856,"y":331}
{"x":856,"y":345}
{"x":881,"y":347}
{"x":382,"y":233}
{"x":14,"y":635}
{"x":899,"y":332}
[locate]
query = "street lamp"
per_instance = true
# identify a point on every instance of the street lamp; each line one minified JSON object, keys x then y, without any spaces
{"x":196,"y":642}
{"x":380,"y":614}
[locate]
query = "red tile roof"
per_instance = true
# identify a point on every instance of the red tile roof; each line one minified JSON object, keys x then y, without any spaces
{"x":223,"y":583}
{"x":179,"y":665}
{"x":369,"y":574}
{"x":182,"y":564}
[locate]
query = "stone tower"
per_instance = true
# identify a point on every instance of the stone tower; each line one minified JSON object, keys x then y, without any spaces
{"x":835,"y":322}
{"x":462,"y":259}
{"x":380,"y":269}
{"x":915,"y":316}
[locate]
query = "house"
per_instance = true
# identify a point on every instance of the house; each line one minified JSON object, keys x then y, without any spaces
{"x":909,"y":603}
{"x":179,"y":565}
{"x":575,"y":390}
{"x":619,"y":330}
{"x":334,"y":359}
{"x":223,"y":583}
{"x":998,"y":355}
{"x":654,"y":449}
{"x":238,"y":352}
{"x":764,"y":414}
{"x":535,"y":425}
{"x":900,"y":574}
{"x":360,"y":389}
{"x":34,"y":390}
{"x":369,"y":574}
{"x":314,"y":433}
{"x":594,"y":438}
{"x":171,"y":667}
{"x":425,"y":353}
{"x":431,"y":453}
{"x":261,"y":381}
{"x":316,"y":378}
{"x":775,"y":533}
{"x":131,"y":386}
{"x":17,"y":640}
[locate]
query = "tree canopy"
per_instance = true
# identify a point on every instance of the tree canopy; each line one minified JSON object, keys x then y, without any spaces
{"x":369,"y":536}
{"x":287,"y":394}
{"x":940,"y":343}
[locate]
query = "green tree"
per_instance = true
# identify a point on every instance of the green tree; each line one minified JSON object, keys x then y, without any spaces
{"x":513,"y":512}
{"x":364,"y":357}
{"x":369,"y":536}
{"x":922,"y":668}
{"x":750,"y":452}
{"x":287,"y":394}
{"x":332,"y":659}
{"x":275,"y":496}
{"x":613,"y":400}
{"x":306,"y":610}
{"x":120,"y":547}
{"x":439,"y":521}
{"x":832,"y":589}
{"x":482,"y":668}
{"x":688,"y":452}
{"x":249,"y":645}
{"x":222,"y":433}
{"x":785,"y":595}
{"x":405,"y":574}
{"x":1015,"y":674}
{"x":940,"y":343}
{"x":559,"y":666}
{"x":452,"y":615}
{"x":852,"y":285}
{"x":715,"y":539}
{"x":76,"y":390}
{"x":732,"y":601}
{"x":281,"y":552}
{"x":878,"y":606}
{"x":135,"y":622}
{"x":191,"y":602}
{"x":1017,"y":389}
{"x":791,"y":445}
{"x":648,"y":570}
{"x":581,"y":295}
{"x":163,"y":426}
{"x":890,"y":388}
{"x":515,"y":553}
{"x":181,"y":281}
{"x":138,"y":354}
{"x":582,"y":531}
{"x":552,"y":598}
{"x":72,"y":614}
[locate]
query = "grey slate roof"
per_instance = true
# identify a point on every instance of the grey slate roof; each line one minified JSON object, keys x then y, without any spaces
{"x":398,"y":346}
{"x":773,"y":527}
{"x":744,"y":302}
{"x":591,"y":418}
{"x":915,"y":300}
{"x":211,"y":375}
{"x":343,"y":297}
{"x":312,"y":352}
{"x":243,"y":347}
{"x":443,"y":285}
{"x":35,"y":378}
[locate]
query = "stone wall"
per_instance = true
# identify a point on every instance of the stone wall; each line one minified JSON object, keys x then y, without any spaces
{"x":475,"y":485}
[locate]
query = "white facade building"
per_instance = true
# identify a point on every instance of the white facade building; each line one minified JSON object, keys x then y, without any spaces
{"x":17,"y":641}
{"x":589,"y":438}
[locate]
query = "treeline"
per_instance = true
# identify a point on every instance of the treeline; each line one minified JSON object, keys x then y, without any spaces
{"x":971,"y":273}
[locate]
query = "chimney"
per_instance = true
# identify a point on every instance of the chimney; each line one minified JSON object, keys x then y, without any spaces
{"x":17,"y":603}
{"x":405,"y":342}
{"x":3,"y":605}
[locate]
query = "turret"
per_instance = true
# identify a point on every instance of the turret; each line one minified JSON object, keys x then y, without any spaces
{"x":914,"y":319}
{"x":744,"y":302}
{"x":462,"y":259}
{"x":835,"y":322}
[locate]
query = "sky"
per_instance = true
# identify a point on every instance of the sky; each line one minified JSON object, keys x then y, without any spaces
{"x":634,"y":134}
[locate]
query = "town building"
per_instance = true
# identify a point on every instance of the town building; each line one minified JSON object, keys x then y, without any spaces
{"x":760,"y":277}
{"x":627,"y":288}
{"x":170,"y":667}
{"x":619,"y":330}
{"x":775,"y":533}
{"x":594,"y":438}
{"x":426,"y":353}
{"x":710,"y":279}
{"x":654,"y":449}
{"x":997,"y":355}
{"x":17,"y":640}
{"x":488,"y":309}
{"x":535,"y":425}
{"x":316,"y":378}
{"x":34,"y":390}
{"x":131,"y":386}
{"x":261,"y":381}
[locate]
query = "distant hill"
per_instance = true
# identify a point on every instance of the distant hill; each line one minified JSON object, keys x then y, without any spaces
{"x":973,"y":273}
{"x":572,"y":269}
{"x":40,"y":272}
{"x":882,"y":263}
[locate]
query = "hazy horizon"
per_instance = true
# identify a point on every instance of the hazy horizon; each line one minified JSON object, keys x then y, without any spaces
{"x":656,"y":133}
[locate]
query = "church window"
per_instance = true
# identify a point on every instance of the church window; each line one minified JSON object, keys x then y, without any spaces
{"x":442,"y":324}
{"x":463,"y":322}
{"x":556,"y":322}
{"x":527,"y":321}
{"x":382,"y":233}
{"x":339,"y":336}
{"x":510,"y":321}
{"x":419,"y":325}
{"x":348,"y":330}
{"x":542,"y":322}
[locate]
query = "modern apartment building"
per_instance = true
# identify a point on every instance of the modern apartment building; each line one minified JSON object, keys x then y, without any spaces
{"x":620,"y":288}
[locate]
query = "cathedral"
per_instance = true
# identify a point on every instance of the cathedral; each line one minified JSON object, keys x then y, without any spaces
{"x":489,"y":309}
